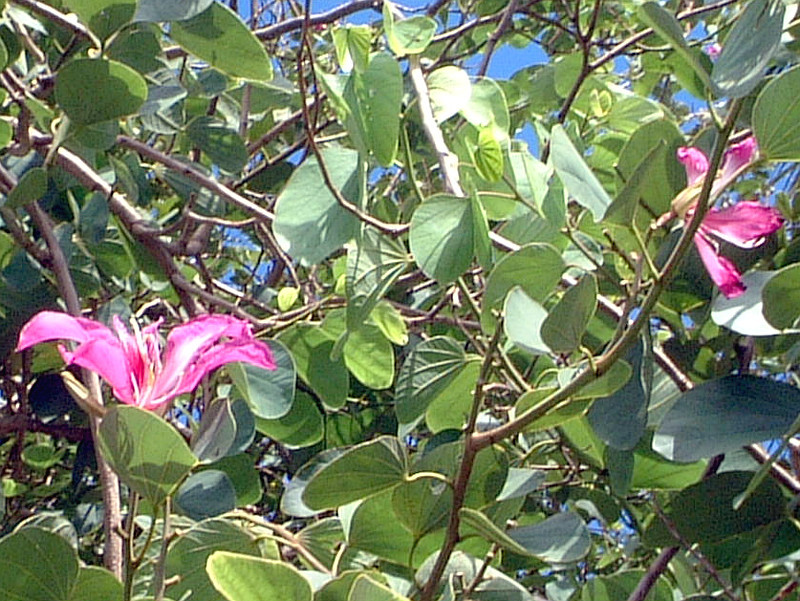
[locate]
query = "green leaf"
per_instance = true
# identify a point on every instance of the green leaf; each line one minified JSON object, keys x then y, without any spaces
{"x":352,"y":43}
{"x":309,"y":222}
{"x":422,"y":506}
{"x":391,"y":323}
{"x":222,"y":145}
{"x":370,"y":357}
{"x":245,"y":477}
{"x":748,"y":49}
{"x":118,"y":90}
{"x":450,"y":90}
{"x":578,"y":179}
{"x":37,"y":565}
{"x":366,"y":589}
{"x":206,"y":494}
{"x":383,"y":82}
{"x":154,"y":11}
{"x":476,"y":521}
{"x":704,"y":512}
{"x":31,"y":186}
{"x":269,"y":393}
{"x":137,"y":49}
{"x":216,"y":432}
{"x":374,"y":529}
{"x":494,"y":584}
{"x":621,"y":585}
{"x":536,"y":268}
{"x":311,"y":349}
{"x":429,"y":369}
{"x":96,"y":584}
{"x":563,"y":328}
{"x":489,"y":155}
{"x":725,"y":414}
{"x":362,"y":471}
{"x":520,"y":482}
{"x":667,"y":26}
{"x":188,"y":554}
{"x":620,"y":419}
{"x":666,"y":176}
{"x":776,"y":118}
{"x":245,"y":578}
{"x":219,"y":37}
{"x":523,"y":319}
{"x":781,"y":298}
{"x":103,"y":17}
{"x":374,"y":263}
{"x":561,"y":538}
{"x":746,"y":314}
{"x":622,"y":210}
{"x":487,"y":108}
{"x":302,"y":427}
{"x":450,"y":408}
{"x":442,"y":237}
{"x":147,"y":453}
{"x":407,"y":36}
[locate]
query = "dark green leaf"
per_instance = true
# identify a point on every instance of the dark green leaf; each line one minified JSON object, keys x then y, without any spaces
{"x":216,"y":432}
{"x":222,"y":145}
{"x":563,"y":328}
{"x":96,"y":584}
{"x":269,"y":393}
{"x":309,"y":222}
{"x":560,"y":538}
{"x":206,"y":494}
{"x":219,"y":37}
{"x":362,"y":471}
{"x":147,"y":453}
{"x":429,"y":368}
{"x":441,"y":237}
{"x":748,"y":49}
{"x":169,"y":10}
{"x":118,"y":90}
{"x":37,"y":565}
{"x":722,"y":415}
{"x":578,"y":179}
{"x":187,"y":556}
{"x":776,"y":117}
{"x":301,"y":427}
{"x":704,"y":512}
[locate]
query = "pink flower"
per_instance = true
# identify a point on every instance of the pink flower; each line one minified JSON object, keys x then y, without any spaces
{"x":713,"y":51}
{"x":745,"y":224}
{"x":133,"y":364}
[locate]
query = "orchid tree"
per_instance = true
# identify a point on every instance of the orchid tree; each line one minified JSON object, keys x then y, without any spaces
{"x":370,"y":300}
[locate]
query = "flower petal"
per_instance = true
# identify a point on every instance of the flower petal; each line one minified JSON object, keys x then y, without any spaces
{"x":187,"y":342}
{"x":744,"y":224}
{"x":245,"y":350}
{"x":737,"y":158}
{"x":723,"y":273}
{"x":107,"y":358}
{"x":55,"y":325}
{"x":695,"y":161}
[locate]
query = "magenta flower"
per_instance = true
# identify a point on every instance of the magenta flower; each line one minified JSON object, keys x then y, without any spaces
{"x":133,"y":363}
{"x":745,"y":224}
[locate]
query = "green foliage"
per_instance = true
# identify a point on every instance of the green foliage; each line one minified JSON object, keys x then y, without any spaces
{"x":502,"y":371}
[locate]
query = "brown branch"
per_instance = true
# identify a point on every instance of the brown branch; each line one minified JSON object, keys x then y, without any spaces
{"x":196,"y":176}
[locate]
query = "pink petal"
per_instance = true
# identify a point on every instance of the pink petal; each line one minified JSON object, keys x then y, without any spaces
{"x":723,"y":273}
{"x":695,"y":161}
{"x":737,"y":158}
{"x":54,"y":325}
{"x":245,"y":350}
{"x":744,"y":224}
{"x":105,"y":357}
{"x":188,"y":342}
